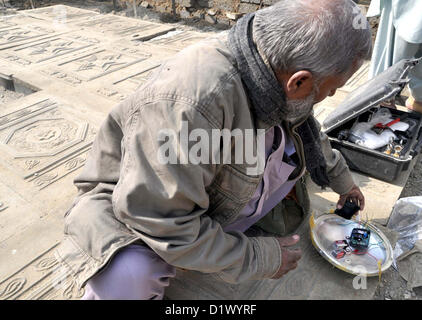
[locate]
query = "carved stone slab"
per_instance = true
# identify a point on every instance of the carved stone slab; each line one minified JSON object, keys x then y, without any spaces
{"x":44,"y":50}
{"x":6,"y":23}
{"x":118,"y":27}
{"x":43,"y":143}
{"x":31,"y":271}
{"x":18,"y":35}
{"x":42,"y":278}
{"x":17,"y":19}
{"x":60,"y":13}
{"x":120,"y":88}
{"x":92,"y":65}
{"x":16,"y":214}
{"x":3,"y":205}
{"x":117,"y":86}
{"x":178,"y":40}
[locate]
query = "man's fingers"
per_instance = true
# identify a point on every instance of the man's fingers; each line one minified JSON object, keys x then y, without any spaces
{"x":355,"y":195}
{"x":291,"y":256}
{"x":295,"y":255}
{"x":341,"y":202}
{"x":362,"y":202}
{"x":290,"y":260}
{"x":359,"y":199}
{"x":288,"y":241}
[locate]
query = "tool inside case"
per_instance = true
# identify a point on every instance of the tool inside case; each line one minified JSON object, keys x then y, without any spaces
{"x":383,"y":138}
{"x":375,"y":139}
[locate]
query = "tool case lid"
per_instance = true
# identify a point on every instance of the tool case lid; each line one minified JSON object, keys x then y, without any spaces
{"x":383,"y":87}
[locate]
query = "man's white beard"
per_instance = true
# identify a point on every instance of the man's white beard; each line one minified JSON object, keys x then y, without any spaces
{"x":299,"y":110}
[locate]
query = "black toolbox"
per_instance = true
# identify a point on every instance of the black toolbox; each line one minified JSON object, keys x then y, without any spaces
{"x":359,"y":106}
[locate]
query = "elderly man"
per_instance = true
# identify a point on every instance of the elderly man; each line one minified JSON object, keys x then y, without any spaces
{"x":137,"y":218}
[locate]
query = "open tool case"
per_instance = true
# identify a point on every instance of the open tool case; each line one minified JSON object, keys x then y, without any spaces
{"x":359,"y":106}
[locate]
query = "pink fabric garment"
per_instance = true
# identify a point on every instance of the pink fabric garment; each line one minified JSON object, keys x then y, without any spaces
{"x":138,"y":273}
{"x":274,"y":185}
{"x":135,"y":273}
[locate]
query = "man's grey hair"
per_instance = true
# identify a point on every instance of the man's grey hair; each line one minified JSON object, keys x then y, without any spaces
{"x":324,"y":37}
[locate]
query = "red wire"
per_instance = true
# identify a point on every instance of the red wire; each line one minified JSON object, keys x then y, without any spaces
{"x":356,"y":252}
{"x":372,"y":256}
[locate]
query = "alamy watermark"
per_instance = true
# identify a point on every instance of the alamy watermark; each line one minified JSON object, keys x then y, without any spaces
{"x":359,"y":282}
{"x":60,"y":17}
{"x":215,"y":146}
{"x":359,"y":21}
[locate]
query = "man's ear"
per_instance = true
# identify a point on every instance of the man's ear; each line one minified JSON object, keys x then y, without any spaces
{"x":298,"y":85}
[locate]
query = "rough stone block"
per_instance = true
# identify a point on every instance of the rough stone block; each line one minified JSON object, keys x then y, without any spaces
{"x":161,"y":9}
{"x":247,"y":7}
{"x":233,"y":15}
{"x":251,"y":1}
{"x":270,"y":2}
{"x":223,"y":20}
{"x":198,"y":14}
{"x":224,"y":5}
{"x":205,"y":3}
{"x":210,"y":19}
{"x":186,"y":3}
{"x":212,"y":12}
{"x":145,"y":4}
{"x":184,"y":14}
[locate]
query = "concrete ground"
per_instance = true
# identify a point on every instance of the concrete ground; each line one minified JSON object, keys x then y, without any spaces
{"x":14,"y":280}
{"x":393,"y":286}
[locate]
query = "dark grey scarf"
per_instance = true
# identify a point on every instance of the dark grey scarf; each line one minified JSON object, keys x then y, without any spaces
{"x":268,"y":98}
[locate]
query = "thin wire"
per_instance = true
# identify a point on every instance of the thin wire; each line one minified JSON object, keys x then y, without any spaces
{"x":376,"y":244}
{"x":376,"y":259}
{"x":366,"y":252}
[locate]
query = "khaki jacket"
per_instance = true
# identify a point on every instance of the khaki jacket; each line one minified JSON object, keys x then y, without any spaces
{"x":126,"y":195}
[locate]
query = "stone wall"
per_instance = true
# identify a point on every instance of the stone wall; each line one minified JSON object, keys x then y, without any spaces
{"x":222,"y":12}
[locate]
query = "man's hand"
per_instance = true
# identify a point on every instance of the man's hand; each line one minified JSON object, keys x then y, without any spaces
{"x":289,"y":257}
{"x":355,"y":195}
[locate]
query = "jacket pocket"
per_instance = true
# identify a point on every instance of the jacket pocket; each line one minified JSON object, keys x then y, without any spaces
{"x":229,"y":193}
{"x":222,"y":208}
{"x":235,"y":184}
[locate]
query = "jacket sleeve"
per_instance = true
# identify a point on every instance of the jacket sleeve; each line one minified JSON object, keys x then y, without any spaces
{"x":165,"y":204}
{"x":341,"y":179}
